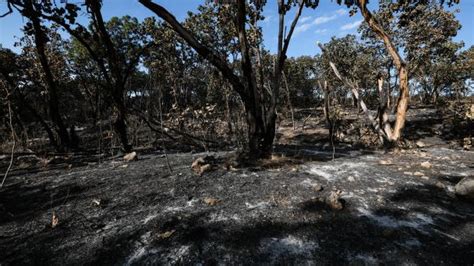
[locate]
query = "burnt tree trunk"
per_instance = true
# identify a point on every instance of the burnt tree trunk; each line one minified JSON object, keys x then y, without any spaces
{"x":261,"y":118}
{"x":53,"y":101}
{"x":118,"y":78}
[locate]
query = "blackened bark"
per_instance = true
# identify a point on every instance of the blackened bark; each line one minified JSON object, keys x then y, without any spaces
{"x":40,"y":43}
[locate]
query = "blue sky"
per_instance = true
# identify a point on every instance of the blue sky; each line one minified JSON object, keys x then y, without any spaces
{"x":329,"y":19}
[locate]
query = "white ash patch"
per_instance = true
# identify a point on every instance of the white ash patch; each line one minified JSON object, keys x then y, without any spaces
{"x":367,"y":259}
{"x":190,"y":203}
{"x":411,"y":243}
{"x":258,"y":205}
{"x":337,"y":170}
{"x":149,"y":218}
{"x":174,"y":209}
{"x":326,"y":153}
{"x":318,"y":170}
{"x":176,"y":255}
{"x":418,"y":222}
{"x":309,"y":183}
{"x":141,"y":249}
{"x":137,"y":254}
{"x":221,"y":217}
{"x":456,"y":173}
{"x":289,"y":245}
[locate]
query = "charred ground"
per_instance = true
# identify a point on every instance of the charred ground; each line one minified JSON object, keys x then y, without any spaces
{"x":398,"y":208}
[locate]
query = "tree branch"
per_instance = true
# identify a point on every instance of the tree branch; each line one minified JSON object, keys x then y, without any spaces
{"x":202,"y":50}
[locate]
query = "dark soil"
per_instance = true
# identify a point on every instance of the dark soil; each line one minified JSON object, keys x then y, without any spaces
{"x":116,"y":212}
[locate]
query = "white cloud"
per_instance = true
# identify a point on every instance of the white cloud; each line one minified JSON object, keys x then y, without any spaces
{"x":318,"y":21}
{"x":305,"y":19}
{"x":352,"y":25}
{"x":267,"y":19}
{"x":303,"y":27}
{"x":324,"y":19}
{"x":341,"y":11}
{"x":321,"y":31}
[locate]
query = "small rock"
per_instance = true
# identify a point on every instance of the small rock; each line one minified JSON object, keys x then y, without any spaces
{"x":96,"y":202}
{"x":130,"y":157}
{"x":440,"y":185}
{"x":465,"y":188}
{"x":420,"y":144}
{"x":418,"y":174}
{"x":351,"y":179}
{"x":426,"y":165}
{"x":425,"y":177}
{"x":407,"y":173}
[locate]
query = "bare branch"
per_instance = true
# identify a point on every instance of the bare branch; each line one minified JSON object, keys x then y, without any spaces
{"x":10,"y":10}
{"x":202,"y":50}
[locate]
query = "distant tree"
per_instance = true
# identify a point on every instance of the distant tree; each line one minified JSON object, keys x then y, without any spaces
{"x":300,"y":75}
{"x":116,"y":47}
{"x":409,"y":10}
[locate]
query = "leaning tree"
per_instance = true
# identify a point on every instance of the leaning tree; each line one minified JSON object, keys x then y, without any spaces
{"x":260,"y":99}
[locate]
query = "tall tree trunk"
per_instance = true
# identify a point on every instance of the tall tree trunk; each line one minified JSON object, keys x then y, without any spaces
{"x":119,"y":78}
{"x":40,"y":42}
{"x":402,"y":103}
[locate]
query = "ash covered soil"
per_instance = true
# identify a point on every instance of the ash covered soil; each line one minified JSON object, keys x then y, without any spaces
{"x":400,"y":207}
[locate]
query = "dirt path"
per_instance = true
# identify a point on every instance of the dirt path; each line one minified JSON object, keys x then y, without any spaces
{"x":396,"y":212}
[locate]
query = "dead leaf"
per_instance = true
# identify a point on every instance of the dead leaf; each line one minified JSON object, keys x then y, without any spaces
{"x":54,"y":220}
{"x":166,"y":234}
{"x":211,"y":201}
{"x":201,"y":165}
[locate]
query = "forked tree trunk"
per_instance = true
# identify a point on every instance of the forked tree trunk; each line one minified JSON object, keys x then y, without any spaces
{"x":402,"y":103}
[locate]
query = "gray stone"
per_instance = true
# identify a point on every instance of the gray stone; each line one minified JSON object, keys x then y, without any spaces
{"x":465,"y":187}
